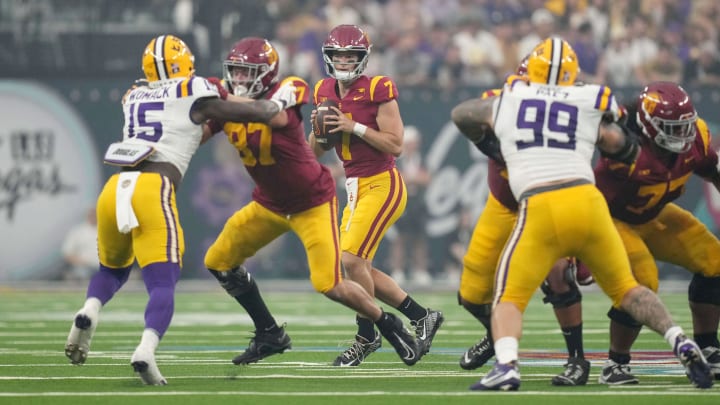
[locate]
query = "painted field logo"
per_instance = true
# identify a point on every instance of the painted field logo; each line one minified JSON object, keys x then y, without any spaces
{"x":49,"y":176}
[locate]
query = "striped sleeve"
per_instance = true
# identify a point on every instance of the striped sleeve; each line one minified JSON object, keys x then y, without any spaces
{"x":605,"y":101}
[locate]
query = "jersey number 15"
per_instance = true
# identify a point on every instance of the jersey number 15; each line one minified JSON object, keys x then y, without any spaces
{"x":140,"y":126}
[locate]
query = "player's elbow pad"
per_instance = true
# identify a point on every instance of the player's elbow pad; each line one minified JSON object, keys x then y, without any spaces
{"x":489,"y":145}
{"x":628,"y":152}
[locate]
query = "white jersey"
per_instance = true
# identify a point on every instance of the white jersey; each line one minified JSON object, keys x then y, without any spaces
{"x":159,"y":117}
{"x":548,"y":133}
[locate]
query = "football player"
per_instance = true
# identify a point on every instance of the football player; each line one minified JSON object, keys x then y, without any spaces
{"x":372,"y":134}
{"x":293,"y":192}
{"x":548,"y":128}
{"x":675,"y":144}
{"x":475,"y":294}
{"x":137,"y":217}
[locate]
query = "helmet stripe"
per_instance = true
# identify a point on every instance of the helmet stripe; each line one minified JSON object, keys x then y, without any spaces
{"x":160,"y":58}
{"x":555,"y":60}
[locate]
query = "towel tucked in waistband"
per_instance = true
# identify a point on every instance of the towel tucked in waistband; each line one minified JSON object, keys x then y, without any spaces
{"x":124,"y":214}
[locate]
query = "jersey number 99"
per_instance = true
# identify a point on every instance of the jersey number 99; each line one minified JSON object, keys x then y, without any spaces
{"x":546,"y":122}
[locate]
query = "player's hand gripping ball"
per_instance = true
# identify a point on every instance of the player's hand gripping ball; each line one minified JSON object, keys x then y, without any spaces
{"x":321,"y":129}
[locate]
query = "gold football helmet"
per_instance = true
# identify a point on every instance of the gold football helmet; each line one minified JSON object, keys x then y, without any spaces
{"x":553,"y":62}
{"x":167,"y":57}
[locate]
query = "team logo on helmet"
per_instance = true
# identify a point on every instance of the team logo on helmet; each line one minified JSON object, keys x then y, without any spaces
{"x":650,"y":102}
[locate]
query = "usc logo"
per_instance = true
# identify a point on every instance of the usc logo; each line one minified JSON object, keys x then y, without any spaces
{"x":272,"y":54}
{"x":650,"y":101}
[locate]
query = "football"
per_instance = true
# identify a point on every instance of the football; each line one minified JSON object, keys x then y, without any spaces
{"x":324,"y":137}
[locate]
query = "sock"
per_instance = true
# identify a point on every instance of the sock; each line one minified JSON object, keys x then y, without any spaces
{"x":92,"y":307}
{"x":574,"y":341}
{"x":506,"y":349}
{"x":411,"y":309}
{"x":150,"y":340}
{"x":619,"y":358}
{"x":366,"y":328}
{"x":160,"y":280}
{"x":255,"y":306}
{"x":385,"y":322}
{"x":706,"y":340}
{"x":672,"y":334}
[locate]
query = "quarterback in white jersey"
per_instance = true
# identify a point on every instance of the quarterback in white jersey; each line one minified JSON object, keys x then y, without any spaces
{"x":547,"y":129}
{"x":137,"y":216}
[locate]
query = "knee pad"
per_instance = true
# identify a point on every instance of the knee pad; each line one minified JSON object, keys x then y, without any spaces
{"x":623,"y":318}
{"x":704,"y":290}
{"x":563,"y":300}
{"x":236,"y":281}
{"x":481,"y":312}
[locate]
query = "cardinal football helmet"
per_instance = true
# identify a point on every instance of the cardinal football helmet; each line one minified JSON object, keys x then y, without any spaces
{"x":553,"y":62}
{"x":258,"y":62}
{"x":167,"y":57}
{"x":522,"y":68}
{"x":345,"y":38}
{"x":667,"y":115}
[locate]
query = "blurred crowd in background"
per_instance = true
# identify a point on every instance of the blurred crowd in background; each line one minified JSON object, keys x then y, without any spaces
{"x":439,"y":43}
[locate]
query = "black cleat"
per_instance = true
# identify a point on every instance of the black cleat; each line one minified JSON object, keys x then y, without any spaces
{"x":264,"y":344}
{"x":576,"y":372}
{"x":479,"y":354}
{"x":616,"y":374}
{"x":426,"y":328}
{"x":357,"y":353}
{"x":404,"y":343}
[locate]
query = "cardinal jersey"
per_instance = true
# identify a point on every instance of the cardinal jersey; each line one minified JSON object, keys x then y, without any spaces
{"x":361,"y":104}
{"x":548,"y":133}
{"x":160,"y":117}
{"x":288,"y":177}
{"x":637,"y":193}
{"x":497,"y":172}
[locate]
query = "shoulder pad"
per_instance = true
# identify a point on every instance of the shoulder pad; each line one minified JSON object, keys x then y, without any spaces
{"x":382,"y":89}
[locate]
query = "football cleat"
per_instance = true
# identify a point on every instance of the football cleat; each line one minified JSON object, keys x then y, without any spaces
{"x":477,"y":355}
{"x":358,"y":351}
{"x":264,"y":344}
{"x":404,"y":343}
{"x":426,"y":328}
{"x":577,"y":371}
{"x":143,"y":363}
{"x":78,"y":341}
{"x":712,"y":355}
{"x":616,"y":374}
{"x":691,"y":357}
{"x":503,"y":377}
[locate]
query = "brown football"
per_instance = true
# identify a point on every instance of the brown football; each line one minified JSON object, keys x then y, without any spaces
{"x":324,"y":137}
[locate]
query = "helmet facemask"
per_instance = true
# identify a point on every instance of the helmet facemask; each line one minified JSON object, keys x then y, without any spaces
{"x":345,"y":76}
{"x":677,"y":136}
{"x":252,"y":84}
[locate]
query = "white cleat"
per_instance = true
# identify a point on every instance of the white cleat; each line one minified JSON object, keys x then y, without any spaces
{"x":143,"y":362}
{"x":78,"y":341}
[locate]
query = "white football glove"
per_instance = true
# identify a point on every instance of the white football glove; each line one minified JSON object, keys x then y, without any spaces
{"x":285,"y":97}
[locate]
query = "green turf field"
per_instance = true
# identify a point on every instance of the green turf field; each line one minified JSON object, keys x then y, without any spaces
{"x":209,"y":328}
